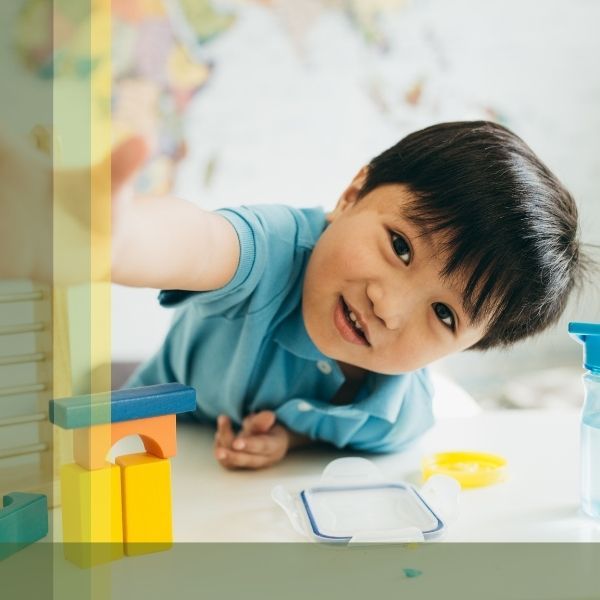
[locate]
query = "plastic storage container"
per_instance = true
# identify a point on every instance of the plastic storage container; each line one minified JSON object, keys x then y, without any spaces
{"x":354,"y":503}
{"x":589,"y":335}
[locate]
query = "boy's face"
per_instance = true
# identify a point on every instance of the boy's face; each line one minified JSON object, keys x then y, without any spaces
{"x":371,"y":261}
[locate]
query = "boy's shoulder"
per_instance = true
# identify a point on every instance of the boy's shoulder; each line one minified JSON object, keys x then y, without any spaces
{"x":275,"y":243}
{"x":282,"y":222}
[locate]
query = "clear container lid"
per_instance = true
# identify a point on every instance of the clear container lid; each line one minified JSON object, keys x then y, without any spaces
{"x":342,"y":513}
{"x":354,"y":503}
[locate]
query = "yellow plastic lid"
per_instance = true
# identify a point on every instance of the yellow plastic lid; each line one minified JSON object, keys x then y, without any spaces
{"x":470,"y":469}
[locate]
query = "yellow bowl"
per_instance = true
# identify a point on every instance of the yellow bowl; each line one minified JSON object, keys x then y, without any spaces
{"x":470,"y":469}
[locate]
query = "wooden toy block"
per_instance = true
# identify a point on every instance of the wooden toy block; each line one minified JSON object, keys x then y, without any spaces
{"x":23,"y":520}
{"x":147,"y":510}
{"x":92,"y":444}
{"x":91,"y":514}
{"x":122,"y":405}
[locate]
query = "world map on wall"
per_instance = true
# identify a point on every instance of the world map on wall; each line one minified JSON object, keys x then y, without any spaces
{"x":159,"y":61}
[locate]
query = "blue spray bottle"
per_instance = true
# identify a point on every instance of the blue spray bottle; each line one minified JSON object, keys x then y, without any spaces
{"x":589,"y":335}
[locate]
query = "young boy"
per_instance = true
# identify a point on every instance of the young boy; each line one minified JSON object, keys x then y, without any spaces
{"x":296,"y":325}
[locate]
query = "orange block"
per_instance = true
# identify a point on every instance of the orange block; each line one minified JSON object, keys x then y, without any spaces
{"x":92,"y":444}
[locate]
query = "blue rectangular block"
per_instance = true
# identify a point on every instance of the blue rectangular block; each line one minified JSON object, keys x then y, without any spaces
{"x":23,"y":520}
{"x":122,"y":405}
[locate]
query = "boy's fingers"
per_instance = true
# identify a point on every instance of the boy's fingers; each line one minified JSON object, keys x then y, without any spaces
{"x":257,"y":444}
{"x":224,"y":431}
{"x":260,"y":422}
{"x":224,"y":435}
{"x":241,"y":460}
{"x":126,"y":159}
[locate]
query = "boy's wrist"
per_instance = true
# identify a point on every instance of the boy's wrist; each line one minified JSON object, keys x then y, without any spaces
{"x":294,"y":439}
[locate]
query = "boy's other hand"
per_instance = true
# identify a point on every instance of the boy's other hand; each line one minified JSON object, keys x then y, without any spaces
{"x":262,"y":442}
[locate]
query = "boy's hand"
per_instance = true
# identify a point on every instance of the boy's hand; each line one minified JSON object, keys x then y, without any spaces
{"x":81,"y":206}
{"x":262,"y":442}
{"x":33,"y":195}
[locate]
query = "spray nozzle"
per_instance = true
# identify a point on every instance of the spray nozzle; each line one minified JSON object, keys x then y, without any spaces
{"x":589,"y":335}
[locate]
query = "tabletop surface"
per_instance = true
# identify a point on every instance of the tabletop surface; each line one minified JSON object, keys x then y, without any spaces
{"x":538,"y":502}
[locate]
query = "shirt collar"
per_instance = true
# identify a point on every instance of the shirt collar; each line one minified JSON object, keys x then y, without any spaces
{"x":291,"y":335}
{"x":382,"y":395}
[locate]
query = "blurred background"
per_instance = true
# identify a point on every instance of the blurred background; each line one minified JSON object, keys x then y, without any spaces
{"x":283,"y":101}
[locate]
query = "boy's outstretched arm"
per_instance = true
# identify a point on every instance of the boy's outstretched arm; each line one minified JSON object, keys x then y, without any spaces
{"x":168,"y":243}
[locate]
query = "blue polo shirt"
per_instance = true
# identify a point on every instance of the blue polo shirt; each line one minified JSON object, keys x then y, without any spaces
{"x":244,"y":346}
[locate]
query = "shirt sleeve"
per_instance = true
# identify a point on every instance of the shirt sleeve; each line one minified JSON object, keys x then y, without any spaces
{"x":268,"y":236}
{"x":386,"y":422}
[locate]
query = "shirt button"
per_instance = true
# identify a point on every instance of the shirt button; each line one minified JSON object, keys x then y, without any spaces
{"x":324,"y":367}
{"x":304,"y":406}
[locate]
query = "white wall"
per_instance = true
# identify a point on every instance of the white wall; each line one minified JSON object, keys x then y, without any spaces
{"x":292,"y":122}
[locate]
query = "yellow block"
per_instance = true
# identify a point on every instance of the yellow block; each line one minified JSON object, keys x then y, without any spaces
{"x":147,"y":510}
{"x":92,"y":515}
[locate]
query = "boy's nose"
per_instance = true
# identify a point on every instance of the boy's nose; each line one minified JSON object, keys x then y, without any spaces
{"x":391,"y":308}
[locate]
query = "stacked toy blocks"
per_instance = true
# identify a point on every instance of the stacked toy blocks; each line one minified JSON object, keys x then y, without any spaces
{"x":123,"y":508}
{"x":23,"y":520}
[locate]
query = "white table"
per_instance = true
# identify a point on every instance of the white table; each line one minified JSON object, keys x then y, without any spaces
{"x":539,"y":502}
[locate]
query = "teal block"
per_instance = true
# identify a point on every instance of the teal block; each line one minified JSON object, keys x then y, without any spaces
{"x":23,"y":520}
{"x":122,"y":405}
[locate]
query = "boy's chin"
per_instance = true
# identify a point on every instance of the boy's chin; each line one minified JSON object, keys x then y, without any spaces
{"x":371,"y":367}
{"x":382,"y":369}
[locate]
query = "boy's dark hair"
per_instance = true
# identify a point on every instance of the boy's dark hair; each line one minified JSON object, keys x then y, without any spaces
{"x":509,"y":227}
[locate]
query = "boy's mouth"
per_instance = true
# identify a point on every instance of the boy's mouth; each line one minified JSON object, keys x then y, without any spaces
{"x":348,"y":325}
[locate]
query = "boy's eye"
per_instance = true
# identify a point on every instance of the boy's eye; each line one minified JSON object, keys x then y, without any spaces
{"x":401,"y":248}
{"x":444,"y":314}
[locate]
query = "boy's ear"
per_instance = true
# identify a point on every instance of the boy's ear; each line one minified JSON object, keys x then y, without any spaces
{"x":349,"y":196}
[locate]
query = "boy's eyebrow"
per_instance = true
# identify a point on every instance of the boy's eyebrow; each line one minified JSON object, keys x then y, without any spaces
{"x":460,"y":303}
{"x":463,"y":315}
{"x":415,"y":230}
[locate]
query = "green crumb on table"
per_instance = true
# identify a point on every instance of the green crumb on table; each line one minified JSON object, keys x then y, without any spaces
{"x":411,"y":573}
